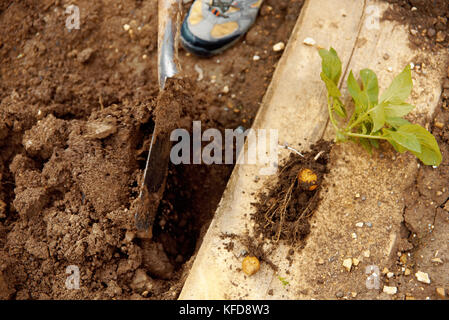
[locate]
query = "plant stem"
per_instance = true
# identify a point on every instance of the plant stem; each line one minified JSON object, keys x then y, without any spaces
{"x":359,"y":120}
{"x":331,"y":114}
{"x":358,"y":135}
{"x":346,"y":131}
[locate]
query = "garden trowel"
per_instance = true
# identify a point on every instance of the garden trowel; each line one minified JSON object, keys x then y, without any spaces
{"x":155,"y":173}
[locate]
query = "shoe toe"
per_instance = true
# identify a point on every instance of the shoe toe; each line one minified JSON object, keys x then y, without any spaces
{"x":202,"y":45}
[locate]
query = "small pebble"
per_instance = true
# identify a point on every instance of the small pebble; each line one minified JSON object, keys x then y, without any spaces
{"x":439,"y":125}
{"x":126,"y":27}
{"x":279,"y":47}
{"x":347,"y":263}
{"x":359,"y":224}
{"x":437,"y":260}
{"x":369,"y":224}
{"x":366,"y":253}
{"x":403,"y":258}
{"x":309,"y":41}
{"x":390,"y":275}
{"x":422,"y":277}
{"x":441,"y":292}
{"x":390,"y":290}
{"x":256,"y":58}
{"x":199,"y":71}
{"x":441,"y":36}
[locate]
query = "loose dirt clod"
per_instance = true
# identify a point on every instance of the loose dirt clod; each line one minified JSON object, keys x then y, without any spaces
{"x":155,"y":260}
{"x":101,"y":130}
{"x":5,"y":291}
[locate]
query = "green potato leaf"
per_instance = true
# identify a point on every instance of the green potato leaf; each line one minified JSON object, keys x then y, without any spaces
{"x":396,"y":122}
{"x":430,"y":152}
{"x":397,"y":110}
{"x":397,"y":147}
{"x":367,"y":97}
{"x":378,"y":116}
{"x":332,"y":88}
{"x":331,"y":64}
{"x":400,"y":88}
{"x":361,"y":102}
{"x":370,"y":86}
{"x":405,"y":138}
{"x":339,"y":108}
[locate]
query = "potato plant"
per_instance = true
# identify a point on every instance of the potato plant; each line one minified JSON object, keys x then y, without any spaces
{"x":375,"y":118}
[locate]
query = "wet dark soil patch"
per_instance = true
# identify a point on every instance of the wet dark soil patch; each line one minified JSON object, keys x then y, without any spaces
{"x":284,"y":211}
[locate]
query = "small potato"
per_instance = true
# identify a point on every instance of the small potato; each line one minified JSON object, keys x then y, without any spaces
{"x":308,"y":179}
{"x":250,"y":265}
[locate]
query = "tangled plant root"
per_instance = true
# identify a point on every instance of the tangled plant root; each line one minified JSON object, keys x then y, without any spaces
{"x":283,"y":212}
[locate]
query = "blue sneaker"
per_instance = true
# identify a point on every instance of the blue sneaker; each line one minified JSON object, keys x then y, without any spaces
{"x":211,"y":26}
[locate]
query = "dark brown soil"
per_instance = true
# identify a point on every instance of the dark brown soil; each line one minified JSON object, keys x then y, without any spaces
{"x":76,"y":117}
{"x":283,"y":212}
{"x":428,"y":21}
